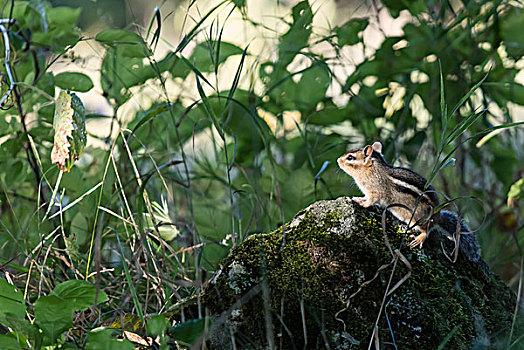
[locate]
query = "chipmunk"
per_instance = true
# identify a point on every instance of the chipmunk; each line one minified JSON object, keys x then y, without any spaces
{"x":386,"y":185}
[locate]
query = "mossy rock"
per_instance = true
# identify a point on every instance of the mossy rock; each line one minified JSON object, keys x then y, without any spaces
{"x":308,"y":286}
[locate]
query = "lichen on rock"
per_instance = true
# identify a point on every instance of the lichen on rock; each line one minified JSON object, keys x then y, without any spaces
{"x":320,"y":282}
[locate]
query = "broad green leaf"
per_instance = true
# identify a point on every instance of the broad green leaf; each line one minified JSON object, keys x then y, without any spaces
{"x":347,"y":34}
{"x":79,"y":295}
{"x":121,"y":73}
{"x":331,"y":114}
{"x":213,"y":254}
{"x":79,"y":229}
{"x":312,"y":87}
{"x":15,"y":173}
{"x":74,"y":81}
{"x":204,"y":56}
{"x":414,"y":7}
{"x":131,"y":44}
{"x":510,"y":91}
{"x":53,"y":315}
{"x":63,"y":16}
{"x":100,"y":339}
{"x":157,"y":325}
{"x":297,"y":37}
{"x":511,"y":32}
{"x":12,"y":301}
{"x":9,"y":343}
{"x":70,"y":131}
{"x":188,"y":332}
{"x":115,"y":36}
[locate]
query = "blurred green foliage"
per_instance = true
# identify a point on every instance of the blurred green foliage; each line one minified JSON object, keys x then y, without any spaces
{"x":258,"y":171}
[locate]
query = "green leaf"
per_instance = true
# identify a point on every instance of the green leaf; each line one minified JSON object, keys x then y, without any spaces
{"x":188,"y":332}
{"x":150,"y":114}
{"x":79,"y":229}
{"x":74,"y":81}
{"x":53,"y":315}
{"x":102,"y":339}
{"x":157,"y":325}
{"x":12,"y":301}
{"x":414,"y":7}
{"x":240,"y":4}
{"x":516,"y":191}
{"x":79,"y":295}
{"x":121,"y":73}
{"x":394,"y":7}
{"x":510,"y":91}
{"x":16,"y":173}
{"x":347,"y":34}
{"x":63,"y":16}
{"x":115,"y":36}
{"x":204,"y":58}
{"x":131,"y":44}
{"x":312,"y":87}
{"x":331,"y":114}
{"x":9,"y":343}
{"x":511,"y":32}
{"x":297,"y":37}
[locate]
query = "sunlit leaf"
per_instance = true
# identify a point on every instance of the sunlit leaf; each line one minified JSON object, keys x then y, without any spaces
{"x":347,"y":34}
{"x":70,"y":131}
{"x":516,"y":192}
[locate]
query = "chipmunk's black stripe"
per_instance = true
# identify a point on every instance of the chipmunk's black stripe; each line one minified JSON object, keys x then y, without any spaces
{"x":410,"y":177}
{"x":414,"y":194}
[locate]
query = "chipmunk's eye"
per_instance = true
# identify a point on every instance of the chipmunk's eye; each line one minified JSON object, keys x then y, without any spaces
{"x":350,"y":157}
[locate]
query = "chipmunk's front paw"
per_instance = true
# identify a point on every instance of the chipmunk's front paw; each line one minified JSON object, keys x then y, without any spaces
{"x":362,"y":201}
{"x":418,"y":240}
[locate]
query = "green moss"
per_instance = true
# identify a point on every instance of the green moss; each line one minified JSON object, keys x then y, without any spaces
{"x":324,"y":256}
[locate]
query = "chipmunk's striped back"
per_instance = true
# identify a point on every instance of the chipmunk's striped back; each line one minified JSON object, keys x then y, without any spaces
{"x":397,"y":188}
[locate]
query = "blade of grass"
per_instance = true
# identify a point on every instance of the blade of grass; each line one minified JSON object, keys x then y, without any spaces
{"x":195,"y":70}
{"x":440,"y":165}
{"x":93,"y":233}
{"x":463,"y":126}
{"x":128,"y":278}
{"x":236,"y":80}
{"x":209,"y":109}
{"x":443,"y":108}
{"x":442,"y":345}
{"x":156,"y":36}
{"x":193,"y":32}
{"x":468,"y":95}
{"x":53,"y":195}
{"x":70,"y":205}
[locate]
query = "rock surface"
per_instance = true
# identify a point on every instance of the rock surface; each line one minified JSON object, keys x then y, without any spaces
{"x":321,"y":283}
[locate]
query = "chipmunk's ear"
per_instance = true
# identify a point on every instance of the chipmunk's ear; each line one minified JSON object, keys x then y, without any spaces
{"x":367,"y":151}
{"x":377,"y":147}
